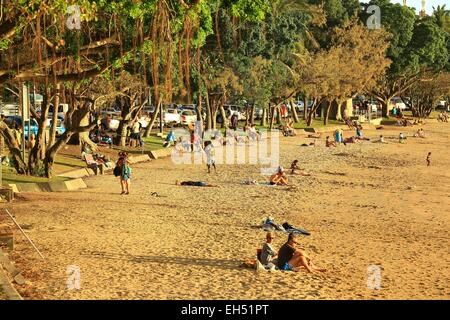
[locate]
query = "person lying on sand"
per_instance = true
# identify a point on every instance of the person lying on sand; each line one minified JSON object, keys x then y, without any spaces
{"x":294,"y":166}
{"x":268,"y":253}
{"x":329,"y":143}
{"x":292,"y":259}
{"x":350,"y":140}
{"x":279,"y":178}
{"x":195,"y":184}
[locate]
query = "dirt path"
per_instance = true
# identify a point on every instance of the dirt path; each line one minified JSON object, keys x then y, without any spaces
{"x":365,"y":204}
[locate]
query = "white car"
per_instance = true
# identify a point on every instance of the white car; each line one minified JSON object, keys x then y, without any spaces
{"x":171,"y":116}
{"x":398,"y":103}
{"x":187,"y":117}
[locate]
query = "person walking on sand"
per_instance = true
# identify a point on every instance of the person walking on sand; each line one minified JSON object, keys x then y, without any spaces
{"x":293,"y":259}
{"x":429,"y":159}
{"x":210,"y":159}
{"x":125,"y":172}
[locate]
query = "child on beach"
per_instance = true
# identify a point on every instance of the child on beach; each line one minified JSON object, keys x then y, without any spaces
{"x":429,"y":159}
{"x":268,"y":253}
{"x":402,"y":138}
{"x":124,"y":171}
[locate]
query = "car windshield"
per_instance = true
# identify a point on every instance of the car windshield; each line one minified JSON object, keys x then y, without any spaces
{"x":188,"y":113}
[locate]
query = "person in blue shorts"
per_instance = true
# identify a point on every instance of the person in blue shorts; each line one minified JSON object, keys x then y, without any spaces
{"x":293,"y":259}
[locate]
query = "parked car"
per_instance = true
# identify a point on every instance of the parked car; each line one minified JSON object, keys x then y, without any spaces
{"x":148,"y":109}
{"x":62,"y":110}
{"x":12,"y":121}
{"x":60,"y":128}
{"x":398,"y":103}
{"x":171,"y":117}
{"x":111,"y":111}
{"x":259,"y":112}
{"x":187,"y":117}
{"x":301,"y":105}
{"x":443,"y":105}
{"x":231,"y":109}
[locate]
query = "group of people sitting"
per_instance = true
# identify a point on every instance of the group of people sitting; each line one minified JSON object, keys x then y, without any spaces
{"x":339,"y":137}
{"x":288,"y":128}
{"x":288,"y":257}
{"x":279,"y":178}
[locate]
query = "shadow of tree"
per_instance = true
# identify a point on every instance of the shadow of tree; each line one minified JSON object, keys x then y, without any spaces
{"x":168,"y":260}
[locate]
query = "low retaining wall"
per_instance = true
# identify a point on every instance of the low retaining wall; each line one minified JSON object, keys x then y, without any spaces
{"x":160,"y":153}
{"x":58,"y":186}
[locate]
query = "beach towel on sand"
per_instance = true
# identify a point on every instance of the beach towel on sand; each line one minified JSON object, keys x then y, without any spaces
{"x":269,"y":225}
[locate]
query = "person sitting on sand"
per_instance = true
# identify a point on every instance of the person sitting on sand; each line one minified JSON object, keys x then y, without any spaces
{"x":279,"y":178}
{"x":419,"y":134}
{"x":381,"y":140}
{"x":292,"y":259}
{"x":359,"y":133}
{"x":253,"y":134}
{"x":401,"y":138}
{"x":195,"y":184}
{"x":329,"y":143}
{"x":268,"y":253}
{"x":294,"y":166}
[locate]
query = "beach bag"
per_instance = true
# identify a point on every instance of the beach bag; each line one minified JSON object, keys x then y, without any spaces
{"x":116,"y":171}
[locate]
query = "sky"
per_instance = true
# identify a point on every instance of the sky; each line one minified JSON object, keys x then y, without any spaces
{"x":418,"y":4}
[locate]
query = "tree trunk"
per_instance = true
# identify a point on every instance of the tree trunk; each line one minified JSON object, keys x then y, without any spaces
{"x":13,"y":146}
{"x":224,"y":117}
{"x":51,"y":153}
{"x":209,"y":123}
{"x":339,"y":110}
{"x":272,"y":117}
{"x":327,"y":112}
{"x":294,"y":112}
{"x":247,"y":113}
{"x":264,"y":118}
{"x":122,"y":130}
{"x":278,"y":113}
{"x":54,"y":123}
{"x":252,"y":114}
{"x":305,"y":108}
{"x":152,"y":121}
{"x":385,"y":107}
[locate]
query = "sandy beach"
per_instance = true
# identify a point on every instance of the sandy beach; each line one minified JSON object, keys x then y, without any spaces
{"x":365,"y":204}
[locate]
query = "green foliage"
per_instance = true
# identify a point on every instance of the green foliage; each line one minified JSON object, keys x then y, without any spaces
{"x":250,"y":10}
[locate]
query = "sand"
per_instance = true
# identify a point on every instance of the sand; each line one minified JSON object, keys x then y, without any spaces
{"x":365,"y":204}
